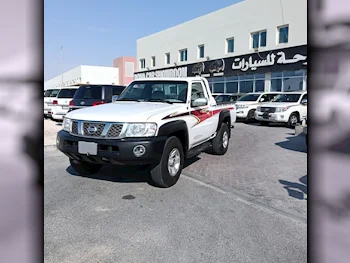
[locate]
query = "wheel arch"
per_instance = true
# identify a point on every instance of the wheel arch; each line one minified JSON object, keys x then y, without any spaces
{"x":176,"y":128}
{"x":224,"y":117}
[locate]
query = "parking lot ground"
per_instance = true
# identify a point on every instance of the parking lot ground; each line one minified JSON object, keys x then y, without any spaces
{"x":267,"y":163}
{"x":116,"y":216}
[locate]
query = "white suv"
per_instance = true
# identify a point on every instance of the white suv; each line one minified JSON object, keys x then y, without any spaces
{"x":49,"y":96}
{"x":247,"y":104}
{"x":60,"y":105}
{"x":288,"y":107}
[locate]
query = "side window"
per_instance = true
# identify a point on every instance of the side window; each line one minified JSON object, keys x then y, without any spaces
{"x":265,"y":97}
{"x":117,"y":90}
{"x":304,"y":97}
{"x":197,"y":91}
{"x":271,"y":97}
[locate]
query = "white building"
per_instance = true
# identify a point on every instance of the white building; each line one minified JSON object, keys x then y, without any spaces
{"x":85,"y":75}
{"x":253,"y":45}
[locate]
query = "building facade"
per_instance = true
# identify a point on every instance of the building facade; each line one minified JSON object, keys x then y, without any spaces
{"x":250,"y":46}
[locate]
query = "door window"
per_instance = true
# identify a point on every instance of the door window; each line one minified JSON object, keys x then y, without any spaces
{"x":197,"y":91}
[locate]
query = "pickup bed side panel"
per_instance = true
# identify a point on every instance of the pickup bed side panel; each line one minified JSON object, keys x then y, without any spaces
{"x":178,"y":127}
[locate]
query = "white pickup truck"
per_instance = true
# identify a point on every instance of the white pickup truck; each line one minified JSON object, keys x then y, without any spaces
{"x":157,"y":122}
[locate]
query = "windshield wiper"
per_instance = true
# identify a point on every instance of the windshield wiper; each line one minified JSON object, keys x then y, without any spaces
{"x":138,"y":100}
{"x":164,"y":101}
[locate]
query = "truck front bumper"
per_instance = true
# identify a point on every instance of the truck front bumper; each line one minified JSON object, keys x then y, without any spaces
{"x":120,"y":152}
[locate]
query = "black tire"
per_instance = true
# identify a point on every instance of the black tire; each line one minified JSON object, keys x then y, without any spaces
{"x":160,"y":173}
{"x":218,"y":142}
{"x":264,"y":123}
{"x":250,"y":116}
{"x":291,"y":121}
{"x":84,"y":168}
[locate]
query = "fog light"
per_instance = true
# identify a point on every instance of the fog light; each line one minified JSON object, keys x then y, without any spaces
{"x":282,"y":116}
{"x":57,"y":140}
{"x":139,"y":150}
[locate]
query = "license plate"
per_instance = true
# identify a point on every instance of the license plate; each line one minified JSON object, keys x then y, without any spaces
{"x":89,"y":148}
{"x":266,"y":115}
{"x":65,"y":107}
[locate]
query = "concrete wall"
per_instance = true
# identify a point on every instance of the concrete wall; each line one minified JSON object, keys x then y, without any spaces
{"x":127,"y":67}
{"x":85,"y":75}
{"x":212,"y":30}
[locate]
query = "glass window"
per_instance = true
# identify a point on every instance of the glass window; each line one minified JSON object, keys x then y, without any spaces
{"x":249,"y":97}
{"x":259,"y":85}
{"x":263,"y":39}
{"x":89,"y":92}
{"x":219,"y":87}
{"x":66,"y":93}
{"x":142,"y":63}
{"x":271,"y":96}
{"x":230,"y":45}
{"x":201,"y":51}
{"x":245,"y":77}
{"x":211,"y":87}
{"x":183,"y":55}
{"x":292,"y":84}
{"x":246,"y":86}
{"x":283,"y":34}
{"x":255,"y":37}
{"x":156,"y":90}
{"x":259,"y":76}
{"x":276,"y":75}
{"x":232,"y":78}
{"x":231,"y":87}
{"x":153,"y":61}
{"x":197,"y":91}
{"x":297,"y":73}
{"x":51,"y":93}
{"x":287,"y":98}
{"x":167,"y":58}
{"x":218,"y":79}
{"x":276,"y":85}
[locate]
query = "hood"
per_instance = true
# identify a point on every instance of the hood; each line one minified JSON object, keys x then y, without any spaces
{"x":279,"y":104}
{"x":122,"y":111}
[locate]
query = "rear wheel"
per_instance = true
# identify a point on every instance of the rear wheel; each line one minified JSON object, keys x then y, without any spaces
{"x":221,"y":140}
{"x":167,"y":172}
{"x":84,"y":168}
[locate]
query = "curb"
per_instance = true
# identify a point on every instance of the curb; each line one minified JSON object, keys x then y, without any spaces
{"x":248,"y":198}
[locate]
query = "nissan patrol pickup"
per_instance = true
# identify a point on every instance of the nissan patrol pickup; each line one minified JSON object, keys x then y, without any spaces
{"x":156,"y":122}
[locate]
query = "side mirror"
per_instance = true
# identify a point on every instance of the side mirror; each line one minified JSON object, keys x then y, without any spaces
{"x":304,"y":102}
{"x":115,"y":98}
{"x":199,"y":102}
{"x":262,"y":99}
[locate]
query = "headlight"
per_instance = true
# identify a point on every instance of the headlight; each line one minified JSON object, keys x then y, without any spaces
{"x":258,"y":109}
{"x":141,"y":130}
{"x":281,"y":109}
{"x":66,"y":124}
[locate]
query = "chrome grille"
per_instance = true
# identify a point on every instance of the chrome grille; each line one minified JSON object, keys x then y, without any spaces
{"x":268,"y":109}
{"x":75,"y":127}
{"x":98,"y":131}
{"x":115,"y":130}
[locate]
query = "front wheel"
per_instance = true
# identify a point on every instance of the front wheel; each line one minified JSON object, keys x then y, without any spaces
{"x":221,"y":140}
{"x":84,"y":168}
{"x":167,"y":172}
{"x":293,"y":120}
{"x":250,"y":116}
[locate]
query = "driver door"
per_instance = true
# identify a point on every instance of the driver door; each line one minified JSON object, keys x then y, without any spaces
{"x":201,"y":125}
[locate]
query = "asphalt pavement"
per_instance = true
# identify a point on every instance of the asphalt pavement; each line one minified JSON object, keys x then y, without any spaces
{"x":117,"y":216}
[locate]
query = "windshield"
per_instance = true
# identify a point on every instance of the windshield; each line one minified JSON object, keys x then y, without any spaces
{"x":51,"y":93}
{"x":223,"y":98}
{"x":158,"y":91}
{"x":249,"y":97}
{"x":89,"y":92}
{"x":66,"y":93}
{"x":287,"y":98}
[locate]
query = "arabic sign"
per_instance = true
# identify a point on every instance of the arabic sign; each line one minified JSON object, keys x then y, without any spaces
{"x":166,"y":73}
{"x":293,"y":58}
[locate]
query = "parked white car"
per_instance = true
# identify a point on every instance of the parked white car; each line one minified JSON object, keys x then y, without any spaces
{"x":49,"y":96}
{"x":60,"y":105}
{"x":247,"y":104}
{"x":157,"y":122}
{"x":289,"y":108}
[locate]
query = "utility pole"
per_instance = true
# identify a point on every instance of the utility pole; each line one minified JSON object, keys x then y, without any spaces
{"x":61,"y":66}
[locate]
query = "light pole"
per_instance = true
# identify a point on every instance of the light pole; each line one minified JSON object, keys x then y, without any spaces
{"x":61,"y":66}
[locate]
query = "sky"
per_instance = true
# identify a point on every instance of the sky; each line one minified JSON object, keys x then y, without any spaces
{"x":96,"y":32}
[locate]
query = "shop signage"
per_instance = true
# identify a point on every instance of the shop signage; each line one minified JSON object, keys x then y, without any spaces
{"x":293,"y":58}
{"x":165,"y":73}
{"x":70,"y":82}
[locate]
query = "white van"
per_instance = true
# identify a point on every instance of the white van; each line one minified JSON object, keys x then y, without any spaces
{"x":60,"y":105}
{"x":49,"y":96}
